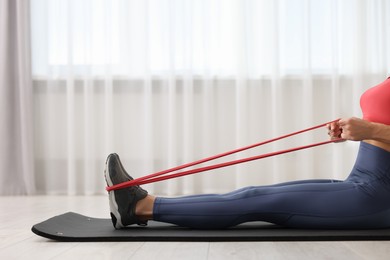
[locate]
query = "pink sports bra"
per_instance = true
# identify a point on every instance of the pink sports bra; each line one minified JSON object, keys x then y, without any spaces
{"x":375,"y":103}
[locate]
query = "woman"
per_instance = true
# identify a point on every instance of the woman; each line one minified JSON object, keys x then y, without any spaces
{"x":360,"y":201}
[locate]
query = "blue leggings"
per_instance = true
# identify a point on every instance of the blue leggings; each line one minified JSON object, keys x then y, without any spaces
{"x":362,"y":201}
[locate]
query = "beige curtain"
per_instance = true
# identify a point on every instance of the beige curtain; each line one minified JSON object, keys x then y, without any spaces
{"x":16,"y":101}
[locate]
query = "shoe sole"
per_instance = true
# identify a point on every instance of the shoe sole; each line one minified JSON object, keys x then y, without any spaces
{"x":114,"y":209}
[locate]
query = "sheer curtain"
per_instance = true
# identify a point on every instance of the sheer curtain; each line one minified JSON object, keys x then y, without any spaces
{"x":163,"y":83}
{"x":16,"y":100}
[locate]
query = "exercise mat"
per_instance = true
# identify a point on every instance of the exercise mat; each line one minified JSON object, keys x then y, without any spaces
{"x":74,"y":227}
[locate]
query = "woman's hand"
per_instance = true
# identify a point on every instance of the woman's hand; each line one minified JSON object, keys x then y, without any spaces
{"x":334,"y":130}
{"x":354,"y":129}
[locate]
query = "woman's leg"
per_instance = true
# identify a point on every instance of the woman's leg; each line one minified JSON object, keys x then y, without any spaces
{"x":302,"y":204}
{"x":272,"y":185}
{"x":361,"y":201}
{"x":145,"y":207}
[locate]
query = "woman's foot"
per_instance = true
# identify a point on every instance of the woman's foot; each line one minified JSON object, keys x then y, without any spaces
{"x":123,"y":202}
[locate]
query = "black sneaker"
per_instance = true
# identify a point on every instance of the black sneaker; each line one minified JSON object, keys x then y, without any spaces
{"x":122,"y":201}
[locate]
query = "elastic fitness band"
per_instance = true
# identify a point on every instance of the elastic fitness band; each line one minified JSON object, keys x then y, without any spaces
{"x":155,"y":177}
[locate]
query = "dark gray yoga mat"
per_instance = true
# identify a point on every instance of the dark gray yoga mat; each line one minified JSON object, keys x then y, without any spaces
{"x":74,"y":227}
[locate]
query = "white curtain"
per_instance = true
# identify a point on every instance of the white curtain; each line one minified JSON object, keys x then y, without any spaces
{"x":16,"y":100}
{"x":164,"y":83}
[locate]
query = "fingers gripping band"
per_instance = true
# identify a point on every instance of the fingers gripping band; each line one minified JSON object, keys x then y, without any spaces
{"x":155,"y":177}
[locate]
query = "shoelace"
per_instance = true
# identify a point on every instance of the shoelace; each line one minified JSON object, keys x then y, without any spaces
{"x":163,"y":175}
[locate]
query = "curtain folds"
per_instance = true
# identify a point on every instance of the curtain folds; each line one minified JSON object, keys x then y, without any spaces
{"x":16,"y":111}
{"x":163,"y":83}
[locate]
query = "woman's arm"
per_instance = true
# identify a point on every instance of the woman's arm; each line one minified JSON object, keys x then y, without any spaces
{"x":356,"y":129}
{"x":381,"y":133}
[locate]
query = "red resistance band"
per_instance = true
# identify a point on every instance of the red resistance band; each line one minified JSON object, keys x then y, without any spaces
{"x":155,"y":177}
